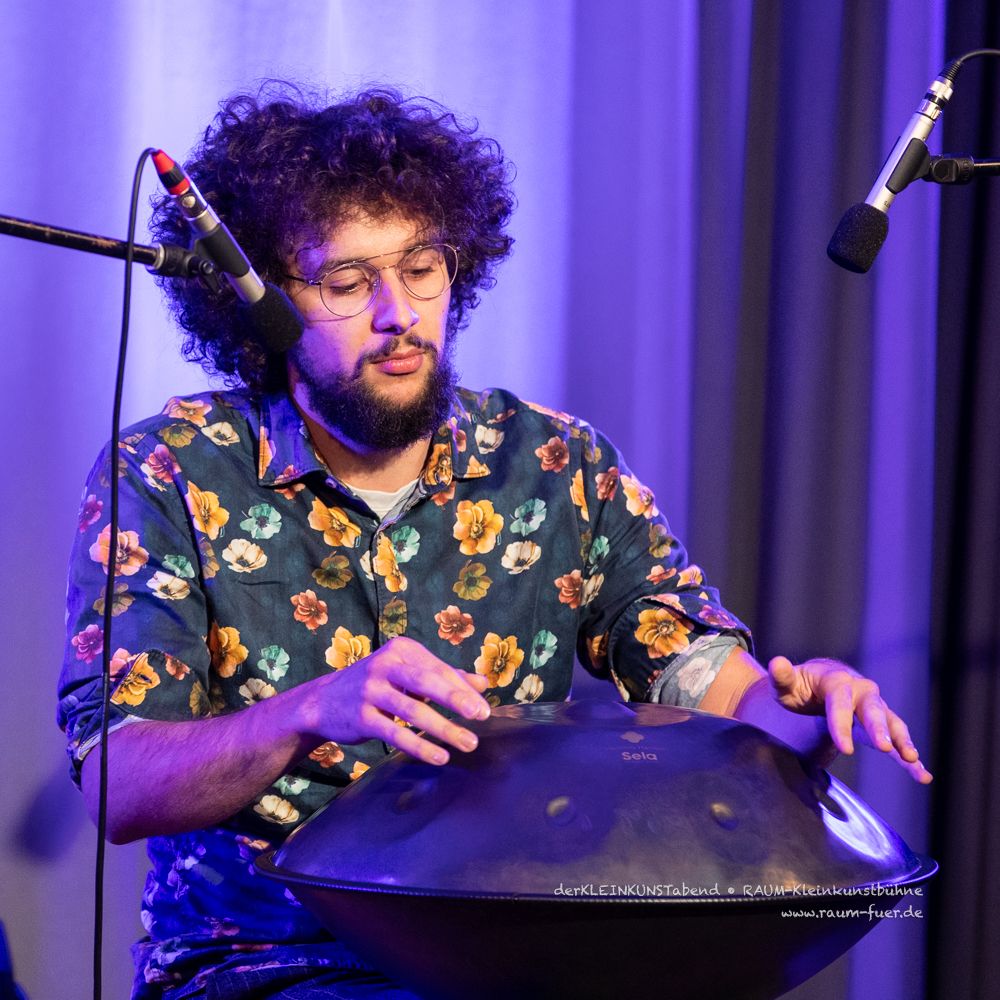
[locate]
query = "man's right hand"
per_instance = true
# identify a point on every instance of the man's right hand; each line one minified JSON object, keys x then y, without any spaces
{"x":398,"y":680}
{"x":171,"y":777}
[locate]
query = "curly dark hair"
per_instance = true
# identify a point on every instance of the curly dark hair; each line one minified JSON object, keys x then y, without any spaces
{"x":282,"y":170}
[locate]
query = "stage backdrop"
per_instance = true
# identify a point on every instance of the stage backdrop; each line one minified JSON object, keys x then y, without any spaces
{"x":681,"y":167}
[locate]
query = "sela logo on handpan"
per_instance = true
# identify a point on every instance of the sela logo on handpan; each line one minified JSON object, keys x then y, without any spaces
{"x":633,"y":737}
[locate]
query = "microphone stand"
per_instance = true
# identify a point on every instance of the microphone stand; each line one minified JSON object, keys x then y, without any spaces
{"x":160,"y":258}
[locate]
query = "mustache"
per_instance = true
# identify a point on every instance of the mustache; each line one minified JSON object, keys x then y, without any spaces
{"x":393,"y":346}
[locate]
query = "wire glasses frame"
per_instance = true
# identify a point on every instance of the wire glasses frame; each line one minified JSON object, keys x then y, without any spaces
{"x":349,"y":289}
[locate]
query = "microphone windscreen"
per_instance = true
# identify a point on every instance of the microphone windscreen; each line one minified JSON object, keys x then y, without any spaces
{"x":274,"y":320}
{"x":858,"y":238}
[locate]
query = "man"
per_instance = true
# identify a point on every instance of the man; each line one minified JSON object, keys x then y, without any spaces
{"x":349,"y":550}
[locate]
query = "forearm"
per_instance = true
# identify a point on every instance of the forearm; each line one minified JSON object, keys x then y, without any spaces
{"x":742,"y":691}
{"x":168,"y":777}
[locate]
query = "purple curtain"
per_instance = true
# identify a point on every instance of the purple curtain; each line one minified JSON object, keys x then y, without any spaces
{"x":680,"y":169}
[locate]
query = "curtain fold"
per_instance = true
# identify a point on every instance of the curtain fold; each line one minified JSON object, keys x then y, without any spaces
{"x":966,"y":666}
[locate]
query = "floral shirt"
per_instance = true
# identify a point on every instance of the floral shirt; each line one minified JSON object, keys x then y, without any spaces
{"x":244,"y":568}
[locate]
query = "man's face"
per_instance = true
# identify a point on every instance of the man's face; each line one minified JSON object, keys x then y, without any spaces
{"x":382,"y":379}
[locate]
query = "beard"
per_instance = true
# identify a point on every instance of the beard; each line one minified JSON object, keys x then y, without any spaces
{"x":356,"y":410}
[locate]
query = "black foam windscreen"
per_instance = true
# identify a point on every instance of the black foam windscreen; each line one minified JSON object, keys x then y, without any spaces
{"x":274,"y":320}
{"x":858,"y":238}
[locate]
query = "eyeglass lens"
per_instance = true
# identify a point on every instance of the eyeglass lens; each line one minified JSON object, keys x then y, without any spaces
{"x":424,"y":271}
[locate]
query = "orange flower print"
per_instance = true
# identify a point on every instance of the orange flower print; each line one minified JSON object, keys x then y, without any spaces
{"x":670,"y":600}
{"x":570,"y":588}
{"x":309,"y":610}
{"x":499,"y":659}
{"x":554,"y":455}
{"x":130,"y":556}
{"x":661,"y":632}
{"x":476,"y":526}
{"x":346,"y":649}
{"x":717,"y":616}
{"x":140,"y":679}
{"x":226,"y":651}
{"x":444,"y":496}
{"x":607,"y":483}
{"x":206,"y":513}
{"x":177,"y":669}
{"x":640,"y":499}
{"x":577,"y":495}
{"x":386,"y":566}
{"x":160,"y":466}
{"x":359,"y":768}
{"x":660,"y":573}
{"x":327,"y":754}
{"x":192,"y":410}
{"x":337,"y":527}
{"x":438,"y":470}
{"x":288,"y":492}
{"x":454,"y":625}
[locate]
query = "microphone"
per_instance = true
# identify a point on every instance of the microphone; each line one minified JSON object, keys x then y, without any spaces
{"x":864,"y":227}
{"x":276,"y":323}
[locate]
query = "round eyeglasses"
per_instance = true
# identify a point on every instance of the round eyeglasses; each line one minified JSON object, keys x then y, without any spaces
{"x":349,"y":289}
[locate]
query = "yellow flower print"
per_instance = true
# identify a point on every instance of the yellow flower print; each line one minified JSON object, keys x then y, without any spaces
{"x":577,"y":495}
{"x":597,"y":650}
{"x":192,"y":410}
{"x":333,"y":572}
{"x":130,"y":556}
{"x":661,"y":632}
{"x":346,"y":649}
{"x":140,"y":679}
{"x":178,"y":435}
{"x":244,"y":556}
{"x":639,"y":498}
{"x":476,"y":469}
{"x":337,"y":527}
{"x":206,"y":513}
{"x":386,"y":566}
{"x":690,"y":576}
{"x":472,"y":582}
{"x":499,"y":659}
{"x":226,"y":651}
{"x":477,"y":526}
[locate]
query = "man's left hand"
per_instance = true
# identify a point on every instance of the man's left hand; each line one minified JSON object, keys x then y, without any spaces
{"x":833,"y":689}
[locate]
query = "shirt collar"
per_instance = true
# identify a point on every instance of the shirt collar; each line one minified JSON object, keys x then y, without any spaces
{"x":286,"y":452}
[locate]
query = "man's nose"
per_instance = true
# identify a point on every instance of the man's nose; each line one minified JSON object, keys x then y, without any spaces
{"x":392,"y":311}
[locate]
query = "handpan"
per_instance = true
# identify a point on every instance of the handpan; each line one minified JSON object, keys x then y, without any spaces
{"x":597,"y":849}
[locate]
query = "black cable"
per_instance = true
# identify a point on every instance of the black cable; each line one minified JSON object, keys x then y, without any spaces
{"x":951,"y":70}
{"x":109,"y":587}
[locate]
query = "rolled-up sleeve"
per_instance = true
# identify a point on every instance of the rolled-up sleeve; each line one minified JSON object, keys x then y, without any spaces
{"x":162,"y":562}
{"x":651,"y":608}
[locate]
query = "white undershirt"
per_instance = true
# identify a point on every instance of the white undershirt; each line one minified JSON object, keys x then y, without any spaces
{"x":383,"y":503}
